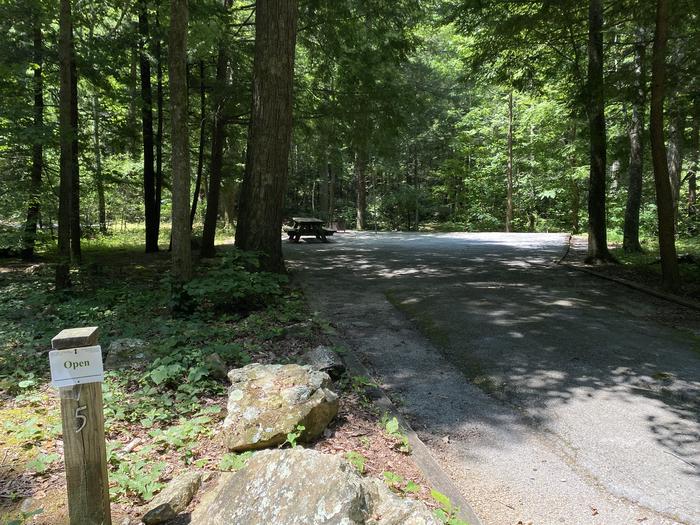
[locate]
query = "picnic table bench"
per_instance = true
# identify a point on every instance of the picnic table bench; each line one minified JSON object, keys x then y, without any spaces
{"x":307,"y":227}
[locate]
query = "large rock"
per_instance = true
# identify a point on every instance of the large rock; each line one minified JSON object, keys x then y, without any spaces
{"x":266,"y":402}
{"x":304,"y":487}
{"x":173,"y":499}
{"x":127,"y":353}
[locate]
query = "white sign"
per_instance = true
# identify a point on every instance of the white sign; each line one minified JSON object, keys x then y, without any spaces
{"x":76,"y":366}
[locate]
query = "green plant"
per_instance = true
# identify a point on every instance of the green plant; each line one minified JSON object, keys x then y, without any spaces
{"x":233,"y":461}
{"x":42,"y":462}
{"x":393,"y":480}
{"x":140,"y":477}
{"x":447,"y":513}
{"x":293,"y":436}
{"x":357,"y":460}
{"x":393,"y":428}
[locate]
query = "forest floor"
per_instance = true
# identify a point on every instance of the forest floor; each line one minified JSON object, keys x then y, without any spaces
{"x":549,"y":395}
{"x":162,"y":411}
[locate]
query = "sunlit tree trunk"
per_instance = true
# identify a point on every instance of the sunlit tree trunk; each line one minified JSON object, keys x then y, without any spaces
{"x":597,"y":232}
{"x":664,"y":201}
{"x":177,"y":68}
{"x":695,"y":162}
{"x":630,"y":241}
{"x":675,"y":154}
{"x":159,"y":119}
{"x":269,"y":138}
{"x":97,"y":147}
{"x":75,"y":250}
{"x":33,"y":208}
{"x":202,"y":136}
{"x":361,"y":190}
{"x":509,"y":192}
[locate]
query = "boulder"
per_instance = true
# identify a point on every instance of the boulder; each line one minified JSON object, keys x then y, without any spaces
{"x":325,"y":360}
{"x":304,"y":487}
{"x":267,"y":402}
{"x":173,"y":499}
{"x":217,"y":367}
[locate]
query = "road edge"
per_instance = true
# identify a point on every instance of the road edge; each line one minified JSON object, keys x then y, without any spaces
{"x":420,"y":454}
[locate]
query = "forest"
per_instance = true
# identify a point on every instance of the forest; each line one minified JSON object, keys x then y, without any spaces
{"x":180,"y":118}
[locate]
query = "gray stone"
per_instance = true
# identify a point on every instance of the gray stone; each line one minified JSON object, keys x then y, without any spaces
{"x":217,"y":367}
{"x":325,"y":360}
{"x":266,"y":402}
{"x":173,"y":499}
{"x":304,"y":487}
{"x":127,"y":353}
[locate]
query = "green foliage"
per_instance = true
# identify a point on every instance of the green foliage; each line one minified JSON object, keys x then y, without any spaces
{"x":293,"y":436}
{"x":137,"y":477}
{"x":447,"y":513}
{"x":25,"y":517}
{"x":393,"y":428}
{"x":357,"y":460}
{"x":42,"y":462}
{"x":232,"y":461}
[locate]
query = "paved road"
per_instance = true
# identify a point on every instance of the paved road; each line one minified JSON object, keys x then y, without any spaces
{"x":548,"y":395}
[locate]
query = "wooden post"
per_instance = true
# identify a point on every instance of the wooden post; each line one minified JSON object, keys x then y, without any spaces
{"x":84,"y":440}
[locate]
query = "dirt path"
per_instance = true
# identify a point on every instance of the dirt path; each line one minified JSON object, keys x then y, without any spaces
{"x":548,"y":395}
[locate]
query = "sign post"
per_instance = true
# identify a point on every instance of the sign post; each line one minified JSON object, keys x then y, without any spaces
{"x":77,"y":372}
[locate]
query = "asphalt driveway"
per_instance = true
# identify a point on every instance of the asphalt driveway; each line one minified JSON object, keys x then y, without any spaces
{"x":548,"y":395}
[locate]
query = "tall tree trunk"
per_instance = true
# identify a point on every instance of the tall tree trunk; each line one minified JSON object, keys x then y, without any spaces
{"x":99,"y":181}
{"x":133,"y":98}
{"x":597,"y":232}
{"x":664,"y":200}
{"x":269,"y":138}
{"x":695,"y":162}
{"x":361,"y":190}
{"x":29,"y":238}
{"x":509,"y":196}
{"x":65,"y":51}
{"x":159,"y":118}
{"x":149,"y":177}
{"x":76,"y":254}
{"x":331,"y":191}
{"x":630,"y":241}
{"x":200,"y":154}
{"x":575,"y":185}
{"x":675,"y":154}
{"x":217,"y":152}
{"x":177,"y":68}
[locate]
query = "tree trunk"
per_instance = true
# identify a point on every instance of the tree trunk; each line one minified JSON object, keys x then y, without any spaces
{"x":675,"y":155}
{"x":99,"y":182}
{"x":200,"y":154}
{"x":509,"y":197}
{"x":65,"y":49}
{"x":575,"y":185}
{"x":29,"y":238}
{"x":159,"y":118}
{"x":149,"y":177}
{"x":217,"y":152}
{"x":331,"y":192}
{"x":269,"y":138}
{"x":177,"y":68}
{"x":133,"y":98}
{"x":597,"y":232}
{"x":76,"y":254}
{"x":361,"y":190}
{"x":630,"y":241}
{"x":664,"y":201}
{"x":695,"y":163}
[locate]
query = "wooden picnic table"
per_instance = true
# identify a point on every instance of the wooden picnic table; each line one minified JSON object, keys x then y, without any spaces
{"x":307,"y":227}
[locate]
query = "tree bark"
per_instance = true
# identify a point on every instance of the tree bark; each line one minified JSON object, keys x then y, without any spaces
{"x":597,"y":227}
{"x":149,"y":177}
{"x":65,"y":47}
{"x":695,"y":163}
{"x":269,"y":138}
{"x":200,"y":153}
{"x":217,"y":151}
{"x":675,"y":155}
{"x":664,"y":201}
{"x":331,"y":192}
{"x":509,"y":192}
{"x":361,"y":190}
{"x":177,"y":68}
{"x":159,"y":118}
{"x":75,"y":233}
{"x":99,"y":181}
{"x":29,"y":238}
{"x":630,"y":241}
